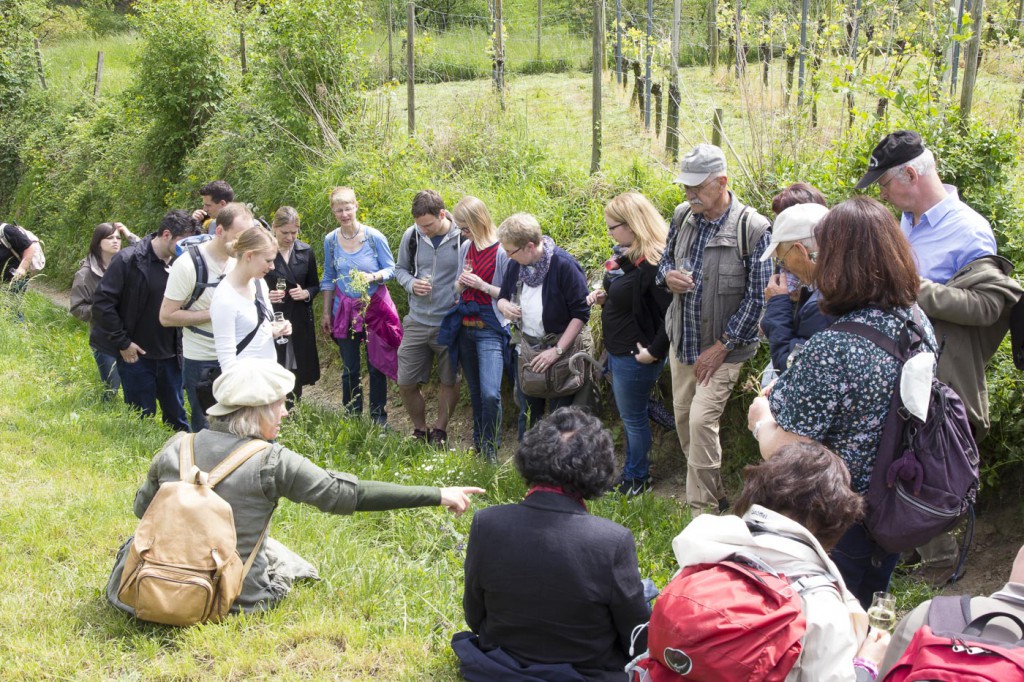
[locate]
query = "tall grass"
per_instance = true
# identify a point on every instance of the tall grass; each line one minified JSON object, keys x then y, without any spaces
{"x":390,"y":595}
{"x":70,"y":65}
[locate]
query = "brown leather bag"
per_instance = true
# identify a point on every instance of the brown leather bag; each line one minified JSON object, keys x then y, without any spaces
{"x":183,"y":567}
{"x":560,"y":379}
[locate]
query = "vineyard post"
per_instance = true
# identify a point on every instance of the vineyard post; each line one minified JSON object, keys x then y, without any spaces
{"x":971,"y":61}
{"x":955,"y":62}
{"x":713,"y":33}
{"x":803,"y":54}
{"x":740,"y":56}
{"x":598,"y":58}
{"x":853,"y":62}
{"x":672,"y":129}
{"x":99,"y":75}
{"x":39,"y":64}
{"x":716,"y":129}
{"x":410,"y":66}
{"x":540,"y":13}
{"x":618,"y":41}
{"x":391,"y":49}
{"x":499,"y":55}
{"x":647,"y":65}
{"x":241,"y":50}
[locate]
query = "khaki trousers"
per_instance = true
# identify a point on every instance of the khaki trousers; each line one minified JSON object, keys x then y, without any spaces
{"x":698,"y":410}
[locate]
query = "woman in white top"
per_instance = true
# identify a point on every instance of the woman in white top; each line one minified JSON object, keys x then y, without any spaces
{"x":243,"y":320}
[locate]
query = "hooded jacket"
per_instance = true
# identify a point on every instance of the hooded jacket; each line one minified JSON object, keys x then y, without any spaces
{"x":836,"y":623}
{"x":971,"y":313}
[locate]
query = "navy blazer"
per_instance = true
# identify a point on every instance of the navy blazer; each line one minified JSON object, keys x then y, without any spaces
{"x":563,"y":293}
{"x":550,"y":583}
{"x":787,"y":329}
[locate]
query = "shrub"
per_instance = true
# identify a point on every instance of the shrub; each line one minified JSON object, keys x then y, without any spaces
{"x":181,"y":74}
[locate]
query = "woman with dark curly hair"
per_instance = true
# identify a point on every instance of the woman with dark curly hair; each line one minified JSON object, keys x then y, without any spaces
{"x":547,"y":584}
{"x":793,"y":508}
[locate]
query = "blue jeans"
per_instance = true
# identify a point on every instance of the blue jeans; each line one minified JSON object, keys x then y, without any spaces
{"x":531,"y":410}
{"x":865,"y":567}
{"x":146,"y":382}
{"x":191,"y":370}
{"x":107,"y":365}
{"x":631,"y":384}
{"x":351,"y":381}
{"x":482,"y":357}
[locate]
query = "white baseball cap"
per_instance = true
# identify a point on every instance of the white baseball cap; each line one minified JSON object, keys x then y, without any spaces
{"x":795,"y":223}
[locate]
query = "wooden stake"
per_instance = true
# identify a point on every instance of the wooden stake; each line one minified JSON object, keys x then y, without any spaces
{"x":99,"y":75}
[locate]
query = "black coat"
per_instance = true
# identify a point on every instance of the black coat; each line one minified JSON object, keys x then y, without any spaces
{"x":302,"y":271}
{"x":549,"y":583}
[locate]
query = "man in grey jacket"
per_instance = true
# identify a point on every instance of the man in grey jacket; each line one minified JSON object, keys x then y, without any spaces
{"x":428,"y":267}
{"x":966,"y":289}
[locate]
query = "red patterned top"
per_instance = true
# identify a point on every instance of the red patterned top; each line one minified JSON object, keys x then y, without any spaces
{"x":483,"y":263}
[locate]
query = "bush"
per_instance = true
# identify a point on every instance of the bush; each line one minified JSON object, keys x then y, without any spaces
{"x":181,"y":74}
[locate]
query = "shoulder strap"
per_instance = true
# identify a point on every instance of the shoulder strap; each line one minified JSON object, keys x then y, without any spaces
{"x":3,"y":237}
{"x":743,"y":234}
{"x":202,"y":276}
{"x":876,"y":337}
{"x":186,"y":458}
{"x":237,"y":458}
{"x":414,"y":243}
{"x":261,"y":314}
{"x":949,"y":614}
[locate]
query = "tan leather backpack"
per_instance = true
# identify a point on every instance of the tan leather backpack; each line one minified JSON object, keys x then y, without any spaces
{"x":183,"y":567}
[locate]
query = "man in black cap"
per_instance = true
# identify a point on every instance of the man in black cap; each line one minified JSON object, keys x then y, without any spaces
{"x":966,"y":290}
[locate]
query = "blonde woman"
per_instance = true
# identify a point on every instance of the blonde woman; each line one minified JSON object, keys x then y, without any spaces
{"x":357,"y":263}
{"x":633,"y":322}
{"x":482,"y":337}
{"x":240,"y":311}
{"x":295,"y":269}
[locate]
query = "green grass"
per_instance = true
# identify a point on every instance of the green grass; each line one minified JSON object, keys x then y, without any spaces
{"x":70,"y":65}
{"x":390,"y":597}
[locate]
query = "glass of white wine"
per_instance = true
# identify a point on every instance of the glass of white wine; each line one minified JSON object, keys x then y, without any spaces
{"x":279,"y":323}
{"x":686,"y":267}
{"x":882,"y":614}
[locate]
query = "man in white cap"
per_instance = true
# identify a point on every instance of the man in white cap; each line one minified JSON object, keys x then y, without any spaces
{"x":795,"y":250}
{"x":712,"y":263}
{"x":966,"y":289}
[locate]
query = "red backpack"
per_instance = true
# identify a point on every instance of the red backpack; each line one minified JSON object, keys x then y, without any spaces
{"x":732,"y":620}
{"x":951,"y":647}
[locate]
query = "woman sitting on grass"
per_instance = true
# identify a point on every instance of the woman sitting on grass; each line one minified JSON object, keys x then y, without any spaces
{"x":547,"y":584}
{"x":792,"y":510}
{"x":250,"y":405}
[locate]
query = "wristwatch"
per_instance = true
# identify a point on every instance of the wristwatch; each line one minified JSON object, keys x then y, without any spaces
{"x":558,"y":349}
{"x":727,"y":341}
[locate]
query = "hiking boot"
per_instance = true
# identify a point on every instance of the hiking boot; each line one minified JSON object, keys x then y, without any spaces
{"x":936,"y":577}
{"x":437,"y":437}
{"x":419,"y":434}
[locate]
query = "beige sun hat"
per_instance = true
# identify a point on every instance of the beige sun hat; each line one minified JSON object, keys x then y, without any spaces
{"x":251,"y":382}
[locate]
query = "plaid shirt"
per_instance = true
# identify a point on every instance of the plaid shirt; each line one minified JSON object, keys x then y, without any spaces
{"x":742,"y":326}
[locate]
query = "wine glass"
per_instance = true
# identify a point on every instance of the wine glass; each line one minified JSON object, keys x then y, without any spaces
{"x":279,"y":323}
{"x":686,"y":267}
{"x":882,"y":614}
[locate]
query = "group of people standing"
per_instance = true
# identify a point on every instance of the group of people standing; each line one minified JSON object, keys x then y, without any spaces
{"x":488,"y":300}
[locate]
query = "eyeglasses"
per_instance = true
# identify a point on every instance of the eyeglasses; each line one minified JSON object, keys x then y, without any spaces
{"x":514,"y":252}
{"x":892,"y":175}
{"x":612,"y":228}
{"x":698,"y":188}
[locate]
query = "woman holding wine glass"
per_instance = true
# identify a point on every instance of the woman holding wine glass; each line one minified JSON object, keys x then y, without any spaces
{"x":293,"y":284}
{"x":481,"y":337}
{"x":241,"y":314}
{"x":357,"y":263}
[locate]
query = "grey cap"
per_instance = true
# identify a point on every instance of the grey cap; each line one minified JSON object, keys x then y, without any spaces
{"x":699,"y":163}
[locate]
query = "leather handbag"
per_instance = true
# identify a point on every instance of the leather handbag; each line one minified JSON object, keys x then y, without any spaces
{"x":559,"y":379}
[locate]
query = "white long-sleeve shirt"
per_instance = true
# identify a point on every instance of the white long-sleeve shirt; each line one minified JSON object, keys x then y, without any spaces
{"x":233,"y":317}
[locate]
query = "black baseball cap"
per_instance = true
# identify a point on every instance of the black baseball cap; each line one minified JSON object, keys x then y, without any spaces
{"x":894,"y":149}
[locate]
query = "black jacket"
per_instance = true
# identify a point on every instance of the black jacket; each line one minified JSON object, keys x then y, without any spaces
{"x":549,"y":583}
{"x":649,"y":303}
{"x":788,"y":326}
{"x":126,"y":305}
{"x":302,"y":271}
{"x":563,"y":292}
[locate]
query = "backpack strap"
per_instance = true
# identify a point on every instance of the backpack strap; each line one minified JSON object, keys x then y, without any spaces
{"x":949,"y":613}
{"x":227,"y":466}
{"x":414,"y":245}
{"x":187,"y":469}
{"x":261,"y":314}
{"x":202,"y":277}
{"x":876,"y":337}
{"x":743,"y":234}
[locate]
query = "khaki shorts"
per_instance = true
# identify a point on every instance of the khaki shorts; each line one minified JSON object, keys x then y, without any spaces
{"x":417,"y":352}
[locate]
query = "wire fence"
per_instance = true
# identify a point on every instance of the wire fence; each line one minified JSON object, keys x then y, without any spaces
{"x":794,"y":55}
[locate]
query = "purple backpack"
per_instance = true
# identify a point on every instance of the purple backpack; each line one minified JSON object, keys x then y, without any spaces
{"x":925,"y":477}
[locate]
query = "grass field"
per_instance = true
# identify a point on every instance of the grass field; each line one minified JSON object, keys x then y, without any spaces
{"x":390,"y":597}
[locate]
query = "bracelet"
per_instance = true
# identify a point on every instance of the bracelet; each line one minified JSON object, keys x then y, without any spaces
{"x":758,"y":424}
{"x":866,"y":664}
